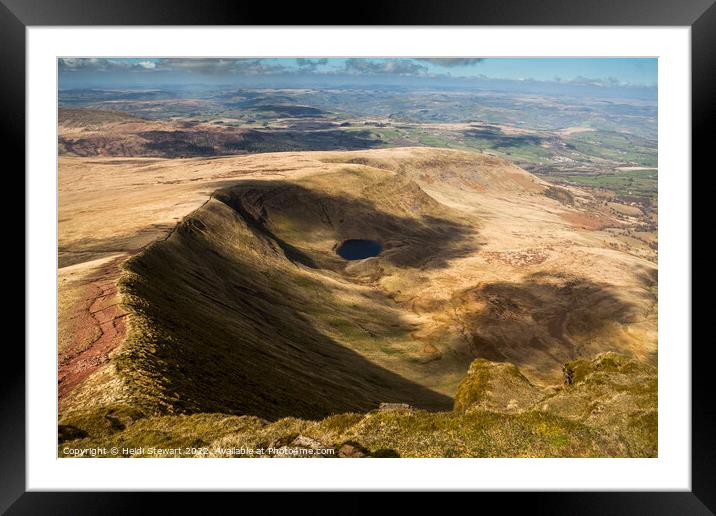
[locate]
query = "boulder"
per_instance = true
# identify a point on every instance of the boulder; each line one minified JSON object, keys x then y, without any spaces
{"x":389,"y":407}
{"x":352,"y":451}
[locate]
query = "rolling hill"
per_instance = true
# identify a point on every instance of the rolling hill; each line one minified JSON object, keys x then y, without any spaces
{"x":96,"y":132}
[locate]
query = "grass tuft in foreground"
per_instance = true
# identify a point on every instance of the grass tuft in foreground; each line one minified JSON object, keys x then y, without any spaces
{"x":608,"y":410}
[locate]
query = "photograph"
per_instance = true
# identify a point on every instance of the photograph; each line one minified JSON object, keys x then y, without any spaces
{"x":455,"y":241}
{"x":357,"y":257}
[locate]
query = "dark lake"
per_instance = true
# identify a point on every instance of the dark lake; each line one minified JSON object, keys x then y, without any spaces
{"x":359,"y":249}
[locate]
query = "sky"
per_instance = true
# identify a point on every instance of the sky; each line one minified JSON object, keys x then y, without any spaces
{"x":288,"y":72}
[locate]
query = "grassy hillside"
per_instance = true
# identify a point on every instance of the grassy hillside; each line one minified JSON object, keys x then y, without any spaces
{"x":609,"y":410}
{"x":70,"y":117}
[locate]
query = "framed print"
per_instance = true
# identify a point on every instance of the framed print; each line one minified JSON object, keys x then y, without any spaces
{"x":442,"y":251}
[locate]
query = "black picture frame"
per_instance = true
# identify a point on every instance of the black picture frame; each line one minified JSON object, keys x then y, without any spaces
{"x":700,"y":15}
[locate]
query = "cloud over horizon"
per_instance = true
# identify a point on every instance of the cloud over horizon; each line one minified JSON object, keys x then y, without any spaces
{"x":387,"y":66}
{"x":449,"y":62}
{"x":594,"y":72}
{"x":310,"y":64}
{"x":227,"y":66}
{"x":207,"y":66}
{"x":101,"y":64}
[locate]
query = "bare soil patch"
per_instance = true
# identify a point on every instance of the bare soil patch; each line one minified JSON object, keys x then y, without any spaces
{"x":101,"y":317}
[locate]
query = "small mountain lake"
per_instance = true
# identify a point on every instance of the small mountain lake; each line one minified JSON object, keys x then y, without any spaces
{"x":359,"y":249}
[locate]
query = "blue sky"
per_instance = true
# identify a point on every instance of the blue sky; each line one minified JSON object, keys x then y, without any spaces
{"x":605,"y":72}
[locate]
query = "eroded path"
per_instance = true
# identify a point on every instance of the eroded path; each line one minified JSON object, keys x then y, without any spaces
{"x":98,"y":325}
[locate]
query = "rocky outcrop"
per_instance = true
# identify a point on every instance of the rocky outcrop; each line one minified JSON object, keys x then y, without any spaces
{"x":495,"y":386}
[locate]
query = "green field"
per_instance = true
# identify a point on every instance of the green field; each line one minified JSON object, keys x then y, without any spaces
{"x":620,"y":147}
{"x":639,"y":183}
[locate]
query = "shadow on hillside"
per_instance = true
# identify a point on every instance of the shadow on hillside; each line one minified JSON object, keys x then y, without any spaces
{"x":546,"y":319}
{"x":190,"y":141}
{"x":415,"y":234}
{"x":223,"y":141}
{"x":502,"y":140}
